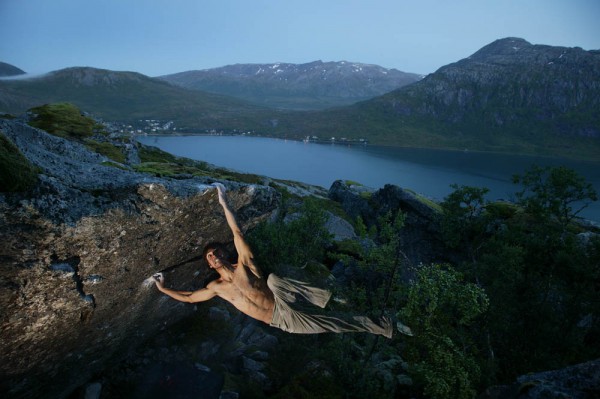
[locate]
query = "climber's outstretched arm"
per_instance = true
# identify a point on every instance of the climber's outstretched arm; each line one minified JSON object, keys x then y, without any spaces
{"x":184,"y":296}
{"x":245,"y":255}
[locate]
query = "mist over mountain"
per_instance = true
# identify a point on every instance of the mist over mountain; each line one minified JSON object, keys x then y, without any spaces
{"x":314,"y":85}
{"x":9,"y":70}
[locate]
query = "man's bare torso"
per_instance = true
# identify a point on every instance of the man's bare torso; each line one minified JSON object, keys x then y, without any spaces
{"x":248,"y":293}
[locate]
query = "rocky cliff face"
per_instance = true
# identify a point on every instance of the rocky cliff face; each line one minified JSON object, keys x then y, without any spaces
{"x":76,"y":253}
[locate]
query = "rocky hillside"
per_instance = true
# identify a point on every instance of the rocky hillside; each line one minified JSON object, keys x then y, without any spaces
{"x":314,"y":85}
{"x":513,"y":85}
{"x":510,"y":96}
{"x":9,"y":70}
{"x":79,"y":245}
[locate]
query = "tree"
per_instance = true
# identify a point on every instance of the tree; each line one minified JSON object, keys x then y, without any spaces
{"x":442,"y":310}
{"x":557,"y":192}
{"x":463,"y":224}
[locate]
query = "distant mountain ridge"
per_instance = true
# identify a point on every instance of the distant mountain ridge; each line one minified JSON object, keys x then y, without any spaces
{"x":126,"y":97}
{"x":10,"y":70}
{"x":314,"y":85}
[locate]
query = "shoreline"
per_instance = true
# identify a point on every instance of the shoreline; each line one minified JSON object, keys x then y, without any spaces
{"x":354,"y":143}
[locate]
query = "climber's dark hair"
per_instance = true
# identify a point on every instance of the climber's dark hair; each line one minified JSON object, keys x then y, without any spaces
{"x":214,"y":245}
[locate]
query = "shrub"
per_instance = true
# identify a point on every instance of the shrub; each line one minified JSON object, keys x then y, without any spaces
{"x":442,"y":309}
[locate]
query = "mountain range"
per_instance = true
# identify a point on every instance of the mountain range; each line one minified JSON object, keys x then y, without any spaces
{"x":510,"y":96}
{"x":314,"y":85}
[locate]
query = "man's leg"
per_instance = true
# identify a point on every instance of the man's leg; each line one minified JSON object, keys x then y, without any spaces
{"x":293,"y":321}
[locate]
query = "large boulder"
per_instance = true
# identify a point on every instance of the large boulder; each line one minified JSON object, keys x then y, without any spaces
{"x":581,"y":381}
{"x":420,"y":236}
{"x":77,"y":251}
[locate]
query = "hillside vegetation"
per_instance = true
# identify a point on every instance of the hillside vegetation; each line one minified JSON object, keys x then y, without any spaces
{"x":16,"y":172}
{"x":518,"y":297}
{"x":127,"y":97}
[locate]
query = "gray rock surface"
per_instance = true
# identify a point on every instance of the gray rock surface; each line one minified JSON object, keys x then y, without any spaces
{"x":76,"y":253}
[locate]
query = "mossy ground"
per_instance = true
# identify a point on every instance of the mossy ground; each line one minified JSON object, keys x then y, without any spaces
{"x":64,"y":120}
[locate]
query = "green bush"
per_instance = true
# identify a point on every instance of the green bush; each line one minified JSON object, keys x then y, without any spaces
{"x":16,"y":172}
{"x":540,"y":280}
{"x":64,"y":120}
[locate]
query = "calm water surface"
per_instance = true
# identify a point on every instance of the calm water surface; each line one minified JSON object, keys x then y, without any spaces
{"x":429,"y":172}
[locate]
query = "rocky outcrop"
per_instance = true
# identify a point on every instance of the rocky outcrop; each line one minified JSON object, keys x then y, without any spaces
{"x":76,"y":253}
{"x":418,"y":236}
{"x":581,"y":381}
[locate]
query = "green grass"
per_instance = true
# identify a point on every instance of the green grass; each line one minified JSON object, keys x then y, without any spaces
{"x":115,"y":165}
{"x":426,"y":201}
{"x":16,"y":172}
{"x":352,"y":183}
{"x":66,"y":120}
{"x":107,"y":149}
{"x":153,"y":154}
{"x":161,"y":163}
{"x":168,"y":169}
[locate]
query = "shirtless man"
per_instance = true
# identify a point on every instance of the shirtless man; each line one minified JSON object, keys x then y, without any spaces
{"x":244,"y":286}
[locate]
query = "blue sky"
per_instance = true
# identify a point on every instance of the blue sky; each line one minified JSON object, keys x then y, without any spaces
{"x":158,"y":37}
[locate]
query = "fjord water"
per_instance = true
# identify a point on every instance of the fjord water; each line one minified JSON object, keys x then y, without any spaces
{"x":428,"y":172}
